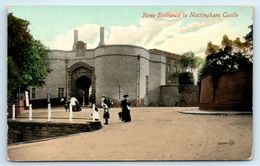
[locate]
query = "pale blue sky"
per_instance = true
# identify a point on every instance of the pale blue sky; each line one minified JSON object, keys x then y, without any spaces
{"x":53,"y":24}
{"x":59,"y":19}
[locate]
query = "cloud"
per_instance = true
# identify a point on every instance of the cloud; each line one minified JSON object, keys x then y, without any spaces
{"x":195,"y":26}
{"x":150,"y":33}
{"x":88,"y":33}
{"x":140,"y":35}
{"x":169,"y":36}
{"x":197,"y":41}
{"x":159,"y":43}
{"x":62,"y":42}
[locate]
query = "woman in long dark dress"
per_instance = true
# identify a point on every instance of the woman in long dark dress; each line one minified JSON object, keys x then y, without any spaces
{"x":126,"y":117}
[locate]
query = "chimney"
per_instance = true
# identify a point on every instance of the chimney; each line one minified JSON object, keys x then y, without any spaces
{"x":75,"y":36}
{"x":101,"y":41}
{"x":75,"y":39}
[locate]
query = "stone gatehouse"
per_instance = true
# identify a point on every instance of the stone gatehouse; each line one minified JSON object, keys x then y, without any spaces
{"x":110,"y":70}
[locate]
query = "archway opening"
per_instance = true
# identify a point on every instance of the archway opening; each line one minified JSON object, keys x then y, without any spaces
{"x":83,"y":90}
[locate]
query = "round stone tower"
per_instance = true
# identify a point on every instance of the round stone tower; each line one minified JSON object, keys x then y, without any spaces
{"x":117,"y":69}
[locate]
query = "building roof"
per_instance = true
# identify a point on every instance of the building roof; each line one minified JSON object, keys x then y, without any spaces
{"x":165,"y":53}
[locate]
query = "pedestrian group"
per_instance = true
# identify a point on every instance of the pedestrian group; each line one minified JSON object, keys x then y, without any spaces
{"x":106,"y":103}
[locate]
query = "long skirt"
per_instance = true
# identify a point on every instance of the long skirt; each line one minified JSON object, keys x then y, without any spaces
{"x":126,"y":117}
{"x":106,"y":114}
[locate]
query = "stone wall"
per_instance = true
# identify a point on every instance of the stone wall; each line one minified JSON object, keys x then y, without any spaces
{"x":118,"y":65}
{"x":60,"y":62}
{"x":27,"y":131}
{"x":169,"y":95}
{"x":156,"y":79}
{"x":132,"y":68}
{"x":110,"y":76}
{"x":55,"y":79}
{"x":189,"y":95}
{"x":143,"y":82}
{"x":233,"y":92}
{"x":179,"y":95}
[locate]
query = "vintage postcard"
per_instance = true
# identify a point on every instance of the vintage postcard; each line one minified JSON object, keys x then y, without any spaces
{"x":130,"y":83}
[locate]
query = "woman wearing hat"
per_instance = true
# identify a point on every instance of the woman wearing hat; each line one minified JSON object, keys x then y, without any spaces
{"x":126,"y":117}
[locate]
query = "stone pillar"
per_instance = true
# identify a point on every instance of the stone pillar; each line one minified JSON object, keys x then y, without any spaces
{"x":71,"y":114}
{"x":13,"y":111}
{"x":30,"y":112}
{"x":49,"y":112}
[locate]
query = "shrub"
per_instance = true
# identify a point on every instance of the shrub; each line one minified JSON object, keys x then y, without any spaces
{"x":186,"y":78}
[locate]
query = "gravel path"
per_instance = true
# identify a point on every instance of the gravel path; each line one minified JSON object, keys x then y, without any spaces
{"x":155,"y":133}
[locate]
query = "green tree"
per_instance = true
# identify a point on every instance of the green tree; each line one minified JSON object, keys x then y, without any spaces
{"x":186,"y":78}
{"x":27,"y":58}
{"x":190,"y":61}
{"x":237,"y":43}
{"x":226,"y":42}
{"x":249,"y":36}
{"x":232,"y":56}
{"x":212,"y":49}
{"x":248,"y":49}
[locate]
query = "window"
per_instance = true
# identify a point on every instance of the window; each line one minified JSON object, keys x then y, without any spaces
{"x":33,"y":93}
{"x":147,"y":84}
{"x":168,"y":68}
{"x":61,"y":92}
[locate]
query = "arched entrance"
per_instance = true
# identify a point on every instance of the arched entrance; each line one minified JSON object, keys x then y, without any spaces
{"x":81,"y":81}
{"x":83,"y":89}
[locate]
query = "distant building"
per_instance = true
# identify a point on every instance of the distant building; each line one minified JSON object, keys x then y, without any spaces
{"x":110,"y":70}
{"x":173,"y":65}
